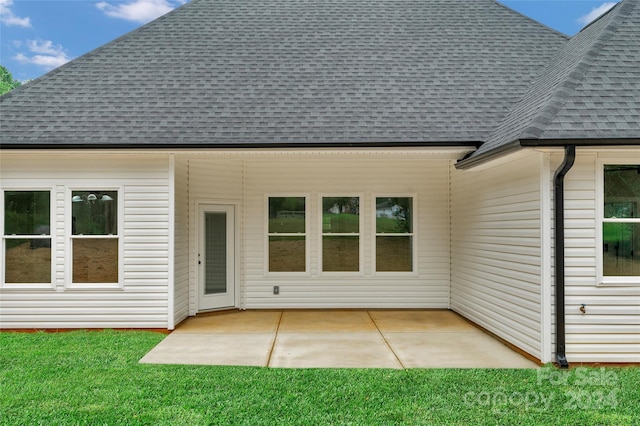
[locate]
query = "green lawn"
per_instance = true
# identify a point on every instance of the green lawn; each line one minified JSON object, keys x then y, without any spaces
{"x":94,"y":378}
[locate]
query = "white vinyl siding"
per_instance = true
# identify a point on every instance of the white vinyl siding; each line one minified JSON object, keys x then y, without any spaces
{"x":496,"y":249}
{"x":426,"y":287}
{"x":215,"y":181}
{"x":181,"y":252}
{"x":142,"y":300}
{"x":247,"y":180}
{"x":609,"y":330}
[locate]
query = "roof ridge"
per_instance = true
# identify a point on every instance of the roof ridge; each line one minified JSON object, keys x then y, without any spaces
{"x":566,"y":87}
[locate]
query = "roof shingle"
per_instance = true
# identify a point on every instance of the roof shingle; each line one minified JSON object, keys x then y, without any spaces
{"x":590,"y":90}
{"x":228,"y":72}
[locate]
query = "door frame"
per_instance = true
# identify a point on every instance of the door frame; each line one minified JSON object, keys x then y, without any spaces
{"x":231,"y":208}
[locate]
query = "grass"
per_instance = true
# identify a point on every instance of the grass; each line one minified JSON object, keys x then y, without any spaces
{"x":94,"y":378}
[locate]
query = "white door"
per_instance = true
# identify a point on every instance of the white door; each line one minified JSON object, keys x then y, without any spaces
{"x":216,"y":263}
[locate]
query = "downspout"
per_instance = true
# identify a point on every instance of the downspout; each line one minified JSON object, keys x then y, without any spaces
{"x":558,"y":191}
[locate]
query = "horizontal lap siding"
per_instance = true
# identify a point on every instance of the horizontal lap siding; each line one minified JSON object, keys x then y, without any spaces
{"x":142,"y":301}
{"x":427,"y":180}
{"x":181,"y":252}
{"x":212,"y":181}
{"x":496,"y":246}
{"x":609,"y":331}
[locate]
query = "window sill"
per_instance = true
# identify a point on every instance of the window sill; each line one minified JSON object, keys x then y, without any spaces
{"x":96,"y":286}
{"x":27,"y":286}
{"x":619,"y":282}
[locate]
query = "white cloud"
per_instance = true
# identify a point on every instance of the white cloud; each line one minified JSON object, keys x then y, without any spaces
{"x":596,"y":12}
{"x":47,"y":55}
{"x":7,"y":16}
{"x":138,"y":10}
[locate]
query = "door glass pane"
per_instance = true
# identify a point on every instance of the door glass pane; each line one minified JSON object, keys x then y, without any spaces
{"x":215,"y":253}
{"x":620,"y":245}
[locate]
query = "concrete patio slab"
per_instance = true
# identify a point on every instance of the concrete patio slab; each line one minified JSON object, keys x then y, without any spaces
{"x":232,"y":322}
{"x":242,"y":349}
{"x":323,"y":321}
{"x":332,"y":350}
{"x":433,"y":321}
{"x":454,"y":350}
{"x":335,"y":339}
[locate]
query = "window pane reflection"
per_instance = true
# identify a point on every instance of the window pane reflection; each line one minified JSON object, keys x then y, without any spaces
{"x":287,"y":254}
{"x":340,"y":215}
{"x":341,"y":254}
{"x":393,"y":215}
{"x":620,"y":249}
{"x":27,"y":260}
{"x":95,"y":260}
{"x":94,"y":212}
{"x":394,"y":254}
{"x":27,"y":212}
{"x":286,"y":215}
{"x":621,"y":191}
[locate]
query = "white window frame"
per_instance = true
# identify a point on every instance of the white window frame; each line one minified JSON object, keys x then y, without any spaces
{"x":52,"y":236}
{"x":360,"y":235}
{"x":601,"y":279}
{"x":69,"y":237}
{"x":306,"y":235}
{"x":414,"y":235}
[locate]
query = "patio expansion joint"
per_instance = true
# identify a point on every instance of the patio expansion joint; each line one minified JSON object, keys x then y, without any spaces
{"x":275,"y":339}
{"x":386,"y":342}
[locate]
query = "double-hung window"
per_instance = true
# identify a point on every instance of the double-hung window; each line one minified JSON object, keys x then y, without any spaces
{"x":94,"y":237}
{"x":287,"y":233}
{"x":27,"y":237}
{"x":341,"y":234}
{"x":621,"y":224}
{"x":394,"y":234}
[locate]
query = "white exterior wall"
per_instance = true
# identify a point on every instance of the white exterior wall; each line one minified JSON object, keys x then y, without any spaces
{"x":141,"y":301}
{"x":609,"y":331}
{"x":181,"y":252}
{"x":247,"y":180}
{"x":213,"y":180}
{"x":497,"y":243}
{"x":425,"y":180}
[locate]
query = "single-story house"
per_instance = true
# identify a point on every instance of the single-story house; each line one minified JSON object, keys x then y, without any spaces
{"x":245,"y":154}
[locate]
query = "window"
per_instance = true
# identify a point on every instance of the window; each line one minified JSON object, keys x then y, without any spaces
{"x":27,"y":237}
{"x":94,"y":237}
{"x":287,"y":234}
{"x":341,"y":234}
{"x":394,"y":234}
{"x":621,"y":223}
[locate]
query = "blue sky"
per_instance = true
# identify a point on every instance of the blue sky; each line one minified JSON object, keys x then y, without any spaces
{"x":39,"y":35}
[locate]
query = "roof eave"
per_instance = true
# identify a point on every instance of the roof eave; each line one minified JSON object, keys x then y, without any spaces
{"x":474,"y":161}
{"x":578,"y":142}
{"x":252,"y":145}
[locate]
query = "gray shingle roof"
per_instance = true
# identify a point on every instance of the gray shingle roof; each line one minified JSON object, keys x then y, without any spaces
{"x":227,"y":72}
{"x":590,"y":90}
